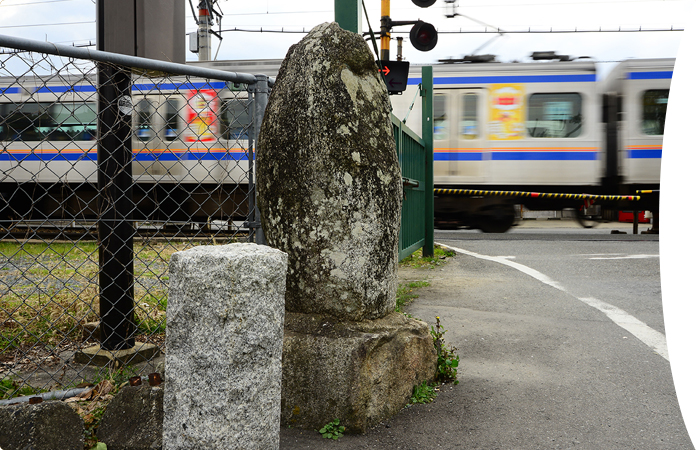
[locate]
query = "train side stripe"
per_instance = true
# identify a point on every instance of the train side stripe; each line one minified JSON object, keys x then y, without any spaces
{"x":91,"y":155}
{"x":655,"y":75}
{"x":517,"y":154}
{"x":644,"y":152}
{"x":543,"y":156}
{"x":136,"y":88}
{"x":573,"y":78}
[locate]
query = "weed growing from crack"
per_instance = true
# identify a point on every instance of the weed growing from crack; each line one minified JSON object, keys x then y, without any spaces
{"x":332,"y":430}
{"x":423,"y":393}
{"x":447,"y":360}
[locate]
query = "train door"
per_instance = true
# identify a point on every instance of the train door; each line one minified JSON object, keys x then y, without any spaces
{"x":147,"y":143}
{"x":156,"y":130}
{"x":460,"y":136}
{"x":644,"y":145}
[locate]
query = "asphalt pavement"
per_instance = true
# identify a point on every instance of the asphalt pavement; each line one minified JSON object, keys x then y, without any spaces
{"x":539,"y":369}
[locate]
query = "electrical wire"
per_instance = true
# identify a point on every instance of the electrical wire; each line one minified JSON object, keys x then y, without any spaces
{"x":485,"y":31}
{"x":48,"y":24}
{"x":33,"y":3}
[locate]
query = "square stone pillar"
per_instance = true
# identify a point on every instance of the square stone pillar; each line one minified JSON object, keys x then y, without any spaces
{"x":224,"y":343}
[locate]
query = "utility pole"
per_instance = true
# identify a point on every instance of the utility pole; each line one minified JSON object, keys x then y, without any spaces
{"x":205,"y":22}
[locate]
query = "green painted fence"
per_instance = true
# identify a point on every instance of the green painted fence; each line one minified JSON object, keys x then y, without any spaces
{"x":416,"y":160}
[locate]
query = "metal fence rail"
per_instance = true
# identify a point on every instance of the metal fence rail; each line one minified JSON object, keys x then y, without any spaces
{"x":108,"y":165}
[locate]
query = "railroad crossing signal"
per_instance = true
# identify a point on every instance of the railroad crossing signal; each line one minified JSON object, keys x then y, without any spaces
{"x":423,"y":36}
{"x":395,"y":75}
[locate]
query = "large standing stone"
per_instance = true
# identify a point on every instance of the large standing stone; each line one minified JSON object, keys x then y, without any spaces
{"x":329,"y":180}
{"x":224,"y":345}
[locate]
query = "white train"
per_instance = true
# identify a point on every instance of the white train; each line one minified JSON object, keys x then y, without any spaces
{"x":544,"y":126}
{"x":549,"y":127}
{"x":189,"y":142}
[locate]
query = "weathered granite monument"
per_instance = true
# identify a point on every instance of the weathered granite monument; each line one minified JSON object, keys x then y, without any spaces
{"x":224,"y":341}
{"x":330,"y":195}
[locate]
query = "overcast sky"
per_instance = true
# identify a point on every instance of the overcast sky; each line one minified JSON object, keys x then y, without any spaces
{"x":73,"y":21}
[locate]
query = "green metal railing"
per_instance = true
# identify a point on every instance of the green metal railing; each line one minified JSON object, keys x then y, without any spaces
{"x":416,"y":160}
{"x":411,"y":150}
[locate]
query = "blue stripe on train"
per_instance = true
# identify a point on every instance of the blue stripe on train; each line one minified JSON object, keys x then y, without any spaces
{"x":137,"y":88}
{"x":656,"y":75}
{"x":471,"y":156}
{"x":142,"y":157}
{"x":491,"y":79}
{"x":517,"y":156}
{"x":645,"y":153}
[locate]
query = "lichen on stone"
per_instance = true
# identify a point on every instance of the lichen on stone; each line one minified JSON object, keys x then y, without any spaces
{"x":329,"y":178}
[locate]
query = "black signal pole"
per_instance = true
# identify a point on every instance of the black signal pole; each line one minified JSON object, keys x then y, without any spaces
{"x":115,"y":181}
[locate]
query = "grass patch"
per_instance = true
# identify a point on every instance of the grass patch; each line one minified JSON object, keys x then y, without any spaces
{"x":417,"y":260}
{"x":423,"y":393}
{"x":48,"y":291}
{"x":10,"y":386}
{"x":405,"y":294}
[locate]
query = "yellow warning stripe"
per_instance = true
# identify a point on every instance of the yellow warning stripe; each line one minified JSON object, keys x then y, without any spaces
{"x":535,"y":194}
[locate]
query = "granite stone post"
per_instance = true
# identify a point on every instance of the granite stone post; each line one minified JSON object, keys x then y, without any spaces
{"x":224,"y":344}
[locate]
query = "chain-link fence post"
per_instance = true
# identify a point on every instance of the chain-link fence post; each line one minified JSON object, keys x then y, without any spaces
{"x":115,"y":226}
{"x":259,"y":92}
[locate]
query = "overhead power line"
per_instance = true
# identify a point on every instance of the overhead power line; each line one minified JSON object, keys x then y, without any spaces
{"x":484,"y":31}
{"x":48,"y":24}
{"x":32,"y":3}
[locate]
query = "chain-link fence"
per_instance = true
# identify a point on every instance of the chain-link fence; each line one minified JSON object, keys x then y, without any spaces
{"x":108,"y":165}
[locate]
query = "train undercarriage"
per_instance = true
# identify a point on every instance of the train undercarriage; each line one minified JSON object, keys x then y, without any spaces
{"x":493,"y":212}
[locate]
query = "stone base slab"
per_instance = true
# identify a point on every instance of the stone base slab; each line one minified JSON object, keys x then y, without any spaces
{"x":96,"y":356}
{"x":358,"y":372}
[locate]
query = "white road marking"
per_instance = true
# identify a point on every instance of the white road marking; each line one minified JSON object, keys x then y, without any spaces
{"x":629,"y":257}
{"x":652,"y":338}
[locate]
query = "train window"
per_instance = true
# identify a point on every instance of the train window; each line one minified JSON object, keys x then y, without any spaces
{"x":468,"y":122}
{"x":440,"y":127}
{"x":171,"y":129}
{"x":72,"y":122}
{"x":235,"y":119}
{"x":554,"y":115}
{"x":654,"y":111}
{"x":21,"y":122}
{"x":48,"y":121}
{"x":144,"y":113}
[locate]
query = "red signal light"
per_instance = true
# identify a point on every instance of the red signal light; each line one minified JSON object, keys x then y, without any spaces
{"x":423,"y":36}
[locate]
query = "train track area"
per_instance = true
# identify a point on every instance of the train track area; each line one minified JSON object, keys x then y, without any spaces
{"x":88,"y":231}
